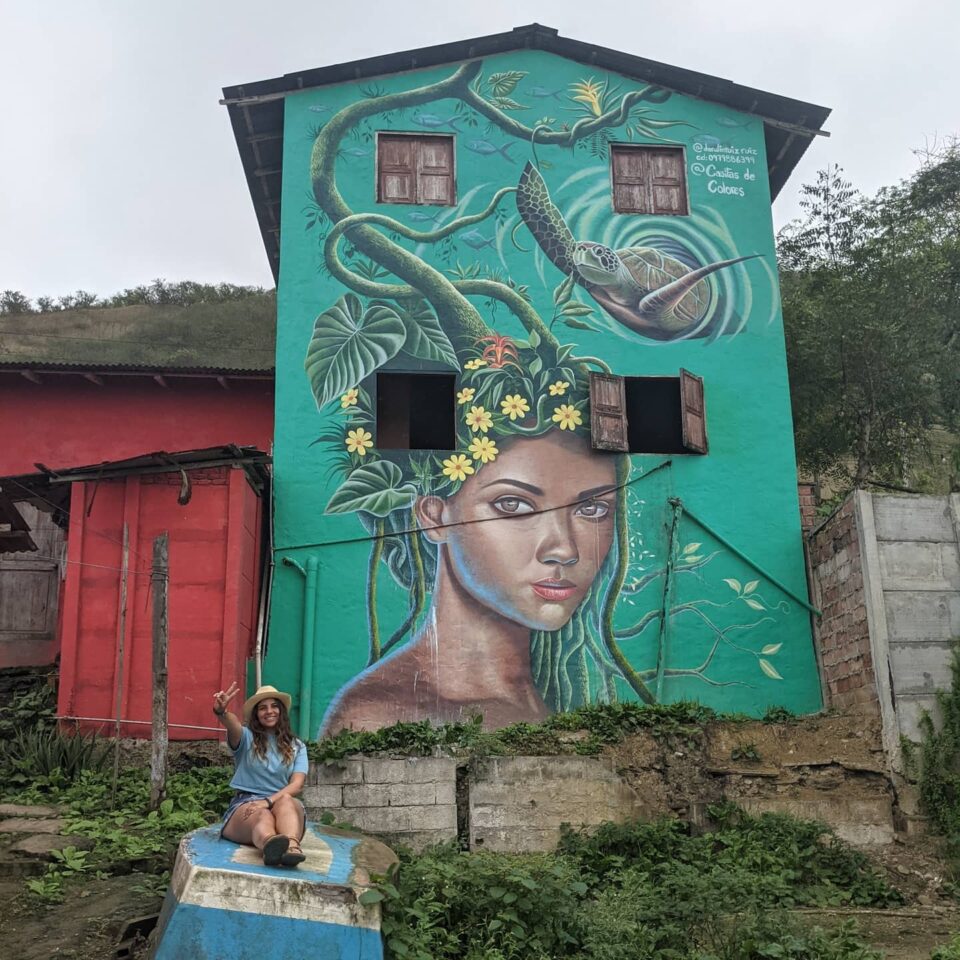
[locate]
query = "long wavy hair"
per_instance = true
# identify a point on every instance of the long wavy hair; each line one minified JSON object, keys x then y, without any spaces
{"x":286,"y":741}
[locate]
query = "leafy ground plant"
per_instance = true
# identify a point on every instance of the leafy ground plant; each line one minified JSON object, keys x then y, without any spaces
{"x":641,"y":891}
{"x":601,"y":723}
{"x":129,"y":834}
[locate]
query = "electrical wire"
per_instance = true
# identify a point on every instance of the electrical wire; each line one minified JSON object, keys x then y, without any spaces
{"x":463,"y":523}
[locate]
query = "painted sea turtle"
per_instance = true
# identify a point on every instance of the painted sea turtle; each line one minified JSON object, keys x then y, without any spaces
{"x":644,"y":288}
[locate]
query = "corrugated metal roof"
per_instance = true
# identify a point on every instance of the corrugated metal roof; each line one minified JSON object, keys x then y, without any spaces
{"x":256,"y":109}
{"x":236,"y":336}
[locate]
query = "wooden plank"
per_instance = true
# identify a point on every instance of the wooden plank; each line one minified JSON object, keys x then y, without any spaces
{"x":913,"y":518}
{"x":159,"y":581}
{"x":608,"y":413}
{"x":693,"y":412}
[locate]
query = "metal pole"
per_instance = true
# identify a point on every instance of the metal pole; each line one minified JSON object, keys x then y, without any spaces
{"x":121,"y":636}
{"x":159,"y":578}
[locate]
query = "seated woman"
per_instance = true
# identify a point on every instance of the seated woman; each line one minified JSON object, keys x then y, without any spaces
{"x":270,"y":769}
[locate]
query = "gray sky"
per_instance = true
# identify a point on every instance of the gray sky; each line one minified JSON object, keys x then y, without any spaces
{"x":117,"y":165}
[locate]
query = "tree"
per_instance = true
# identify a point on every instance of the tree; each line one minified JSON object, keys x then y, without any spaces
{"x":870,"y":299}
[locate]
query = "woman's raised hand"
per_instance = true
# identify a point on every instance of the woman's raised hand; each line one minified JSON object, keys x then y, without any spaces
{"x":222,"y":697}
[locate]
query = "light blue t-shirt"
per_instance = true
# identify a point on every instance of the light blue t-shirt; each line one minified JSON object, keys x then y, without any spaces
{"x":264,"y":777}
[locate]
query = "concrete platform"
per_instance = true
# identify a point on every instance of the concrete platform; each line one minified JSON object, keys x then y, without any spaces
{"x":224,"y":904}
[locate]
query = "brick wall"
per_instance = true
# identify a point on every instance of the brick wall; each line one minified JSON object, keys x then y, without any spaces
{"x":842,"y":636}
{"x":807,"y":494}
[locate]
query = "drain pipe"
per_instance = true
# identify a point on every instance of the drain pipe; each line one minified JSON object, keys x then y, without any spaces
{"x":310,"y":576}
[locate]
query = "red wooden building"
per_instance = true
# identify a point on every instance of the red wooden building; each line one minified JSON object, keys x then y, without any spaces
{"x":115,"y":425}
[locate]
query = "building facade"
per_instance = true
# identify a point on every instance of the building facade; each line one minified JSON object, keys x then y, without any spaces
{"x":533,"y":442}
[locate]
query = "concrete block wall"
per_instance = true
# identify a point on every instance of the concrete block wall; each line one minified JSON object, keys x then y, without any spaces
{"x":518,"y":803}
{"x":914,"y":570}
{"x":410,"y":801}
{"x":842,"y":633}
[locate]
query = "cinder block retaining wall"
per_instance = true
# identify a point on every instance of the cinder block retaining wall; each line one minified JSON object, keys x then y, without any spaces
{"x":411,"y":801}
{"x":830,"y":768}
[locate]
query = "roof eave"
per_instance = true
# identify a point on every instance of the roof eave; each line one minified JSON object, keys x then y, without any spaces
{"x":256,"y":109}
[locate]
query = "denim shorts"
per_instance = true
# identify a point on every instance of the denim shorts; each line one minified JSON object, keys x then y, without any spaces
{"x":239,"y":799}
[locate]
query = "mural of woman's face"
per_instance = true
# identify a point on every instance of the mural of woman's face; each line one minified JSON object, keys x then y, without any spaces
{"x":546,"y":507}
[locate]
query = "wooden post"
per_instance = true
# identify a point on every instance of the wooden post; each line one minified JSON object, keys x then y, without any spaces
{"x":158,"y":756}
{"x":121,"y":632}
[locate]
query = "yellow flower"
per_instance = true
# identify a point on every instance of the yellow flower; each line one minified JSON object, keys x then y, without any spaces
{"x":458,"y":467}
{"x":349,"y":399}
{"x":588,"y":92}
{"x":559,"y":388}
{"x":516,"y":406}
{"x":568,"y":416}
{"x":479,"y":419}
{"x":483,"y":449}
{"x":465,"y":395}
{"x":358,"y":440}
{"x":474,"y":364}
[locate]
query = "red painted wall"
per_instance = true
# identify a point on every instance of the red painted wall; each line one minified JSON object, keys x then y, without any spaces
{"x":213,"y":594}
{"x":67,"y":421}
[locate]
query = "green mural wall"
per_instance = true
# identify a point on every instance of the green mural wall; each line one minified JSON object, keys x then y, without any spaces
{"x":523,"y":572}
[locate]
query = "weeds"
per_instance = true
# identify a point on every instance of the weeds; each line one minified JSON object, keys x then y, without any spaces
{"x":640,"y":891}
{"x":600,"y":725}
{"x":128,"y":835}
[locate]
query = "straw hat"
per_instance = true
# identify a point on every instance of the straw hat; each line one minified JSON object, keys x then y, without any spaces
{"x":265,"y":692}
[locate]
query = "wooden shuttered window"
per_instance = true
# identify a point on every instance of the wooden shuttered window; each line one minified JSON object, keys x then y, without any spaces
{"x":648,"y":414}
{"x":649,"y":180}
{"x":608,"y":413}
{"x":693,"y":413}
{"x":415,"y":169}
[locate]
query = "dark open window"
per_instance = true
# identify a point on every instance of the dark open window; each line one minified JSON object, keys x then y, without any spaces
{"x":416,"y":411}
{"x":648,"y":414}
{"x":415,"y":169}
{"x":649,"y":180}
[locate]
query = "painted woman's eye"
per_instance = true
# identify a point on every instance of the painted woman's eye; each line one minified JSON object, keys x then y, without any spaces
{"x":593,"y":510}
{"x":512,"y":506}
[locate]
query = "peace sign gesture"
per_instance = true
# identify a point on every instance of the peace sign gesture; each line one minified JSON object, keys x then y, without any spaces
{"x":222,"y":697}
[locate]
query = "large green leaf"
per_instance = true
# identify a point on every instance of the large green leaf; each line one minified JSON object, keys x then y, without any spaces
{"x":378,"y":488}
{"x":425,"y":337}
{"x":349,"y":343}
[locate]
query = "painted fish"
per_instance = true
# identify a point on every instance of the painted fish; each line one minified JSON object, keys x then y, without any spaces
{"x":736,"y":124}
{"x":476,"y":239}
{"x":433,"y":122}
{"x":355,"y":152}
{"x":710,"y":143}
{"x":487,"y":149}
{"x":418,"y":217}
{"x":320,"y":108}
{"x":543,"y":93}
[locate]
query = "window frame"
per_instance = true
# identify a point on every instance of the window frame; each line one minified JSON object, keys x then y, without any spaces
{"x":419,"y":136}
{"x":649,"y":147}
{"x":691,"y":405}
{"x":373,"y":388}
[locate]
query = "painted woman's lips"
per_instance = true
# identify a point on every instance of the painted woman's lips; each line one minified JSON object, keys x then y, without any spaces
{"x":556,"y":590}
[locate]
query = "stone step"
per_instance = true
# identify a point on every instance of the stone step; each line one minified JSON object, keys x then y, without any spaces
{"x":32,"y":825}
{"x":28,"y":810}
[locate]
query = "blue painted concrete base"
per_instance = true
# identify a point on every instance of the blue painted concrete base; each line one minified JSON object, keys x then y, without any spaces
{"x":224,"y":904}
